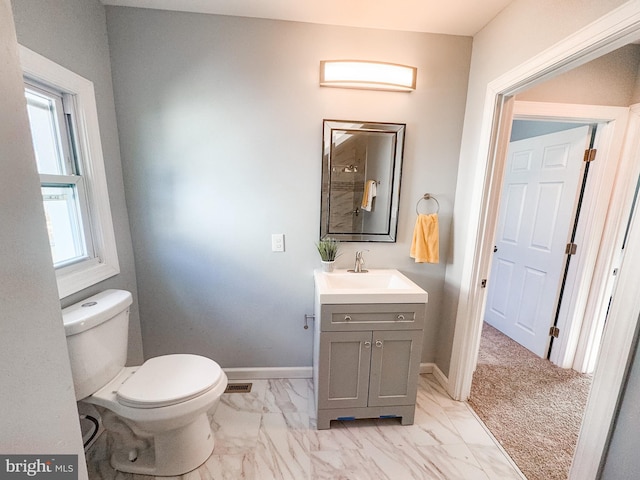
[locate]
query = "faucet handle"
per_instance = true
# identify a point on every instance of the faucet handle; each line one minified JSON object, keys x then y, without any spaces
{"x":359,"y":262}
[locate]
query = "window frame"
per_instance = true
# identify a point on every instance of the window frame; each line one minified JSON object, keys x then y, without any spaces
{"x":70,"y":172}
{"x":80,"y":96}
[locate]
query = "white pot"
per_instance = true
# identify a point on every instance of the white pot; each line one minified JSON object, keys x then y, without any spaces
{"x":328,"y":266}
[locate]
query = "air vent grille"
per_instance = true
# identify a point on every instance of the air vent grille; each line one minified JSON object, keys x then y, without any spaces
{"x":238,"y":388}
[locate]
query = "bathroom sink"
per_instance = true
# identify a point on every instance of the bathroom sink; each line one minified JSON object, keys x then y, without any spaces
{"x":374,"y":286}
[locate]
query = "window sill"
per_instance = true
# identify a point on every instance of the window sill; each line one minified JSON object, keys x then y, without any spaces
{"x":73,"y":280}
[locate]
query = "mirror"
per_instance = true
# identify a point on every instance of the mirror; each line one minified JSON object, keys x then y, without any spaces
{"x":361,"y":170}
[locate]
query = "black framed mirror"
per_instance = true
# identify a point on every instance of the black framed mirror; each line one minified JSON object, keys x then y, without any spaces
{"x":361,"y":173}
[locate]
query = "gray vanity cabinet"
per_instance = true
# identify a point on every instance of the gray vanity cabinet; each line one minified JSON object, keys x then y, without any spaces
{"x":367,"y":361}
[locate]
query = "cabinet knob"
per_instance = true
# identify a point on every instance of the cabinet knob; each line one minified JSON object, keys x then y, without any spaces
{"x":367,"y":344}
{"x":378,"y":343}
{"x":401,"y":317}
{"x":347,"y":318}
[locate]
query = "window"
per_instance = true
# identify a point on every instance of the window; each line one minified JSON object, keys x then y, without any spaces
{"x":66,"y":141}
{"x":63,"y":192}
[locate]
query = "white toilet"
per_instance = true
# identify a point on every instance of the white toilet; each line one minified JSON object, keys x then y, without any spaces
{"x":167,"y":397}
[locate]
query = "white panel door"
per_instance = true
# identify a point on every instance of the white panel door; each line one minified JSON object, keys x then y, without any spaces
{"x":539,"y":198}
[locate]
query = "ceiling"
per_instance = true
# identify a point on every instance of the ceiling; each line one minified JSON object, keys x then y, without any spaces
{"x":453,"y":17}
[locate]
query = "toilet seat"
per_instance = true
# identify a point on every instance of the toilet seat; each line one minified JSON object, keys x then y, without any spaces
{"x":169,"y":380}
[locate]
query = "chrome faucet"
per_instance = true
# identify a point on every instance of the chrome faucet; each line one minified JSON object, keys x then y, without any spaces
{"x":359,"y":263}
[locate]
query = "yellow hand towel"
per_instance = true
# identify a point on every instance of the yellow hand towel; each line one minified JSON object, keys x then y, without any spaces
{"x":425,"y":246}
{"x":370,"y":191}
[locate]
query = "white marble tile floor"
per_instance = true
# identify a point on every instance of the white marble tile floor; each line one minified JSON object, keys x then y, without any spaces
{"x":270,"y":434}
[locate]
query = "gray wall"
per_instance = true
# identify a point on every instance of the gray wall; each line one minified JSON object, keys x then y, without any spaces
{"x":73,"y":33}
{"x":38,"y":414}
{"x":521,"y":129}
{"x":609,"y":80}
{"x":220,"y":124}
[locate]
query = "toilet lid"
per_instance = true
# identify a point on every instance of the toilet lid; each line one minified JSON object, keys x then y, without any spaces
{"x":168,"y":380}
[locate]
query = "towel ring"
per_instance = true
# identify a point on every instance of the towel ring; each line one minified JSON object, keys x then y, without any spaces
{"x":428,"y":196}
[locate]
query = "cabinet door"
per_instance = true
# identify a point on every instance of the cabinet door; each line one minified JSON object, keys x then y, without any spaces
{"x":343,"y":373}
{"x":395,"y":366}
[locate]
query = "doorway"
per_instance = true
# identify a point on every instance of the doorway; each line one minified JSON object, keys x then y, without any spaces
{"x":538,"y":214}
{"x":530,"y":211}
{"x":584,"y":285}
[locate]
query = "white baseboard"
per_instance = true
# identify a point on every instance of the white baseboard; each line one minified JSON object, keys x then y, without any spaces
{"x":261,"y":373}
{"x":433,"y":369}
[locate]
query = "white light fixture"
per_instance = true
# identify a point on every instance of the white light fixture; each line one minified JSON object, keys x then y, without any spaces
{"x":367,"y":75}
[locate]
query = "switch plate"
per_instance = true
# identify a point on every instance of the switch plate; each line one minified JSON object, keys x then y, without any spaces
{"x":277,"y":242}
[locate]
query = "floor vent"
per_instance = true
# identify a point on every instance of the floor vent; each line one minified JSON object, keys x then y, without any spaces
{"x":238,"y":388}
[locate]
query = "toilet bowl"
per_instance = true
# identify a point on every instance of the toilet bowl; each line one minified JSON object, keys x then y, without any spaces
{"x":163,"y":397}
{"x":167,"y":399}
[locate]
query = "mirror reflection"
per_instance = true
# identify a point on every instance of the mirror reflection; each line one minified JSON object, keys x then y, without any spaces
{"x":361,"y":170}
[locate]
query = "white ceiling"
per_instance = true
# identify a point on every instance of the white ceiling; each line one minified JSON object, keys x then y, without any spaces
{"x":454,"y":17}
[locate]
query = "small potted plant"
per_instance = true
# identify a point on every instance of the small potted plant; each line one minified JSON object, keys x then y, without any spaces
{"x":328,"y":250}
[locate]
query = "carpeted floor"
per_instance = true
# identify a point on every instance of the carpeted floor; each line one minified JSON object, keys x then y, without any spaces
{"x":531,"y":406}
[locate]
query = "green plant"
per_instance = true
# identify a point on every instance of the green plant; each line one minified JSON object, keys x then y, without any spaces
{"x":328,"y":249}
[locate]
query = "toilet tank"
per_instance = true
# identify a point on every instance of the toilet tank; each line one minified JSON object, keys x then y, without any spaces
{"x":97,"y":333}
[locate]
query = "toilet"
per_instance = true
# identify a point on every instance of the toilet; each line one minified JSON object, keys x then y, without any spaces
{"x":167,"y":398}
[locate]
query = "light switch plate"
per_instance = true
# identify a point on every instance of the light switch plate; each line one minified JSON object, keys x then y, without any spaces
{"x":277,"y":242}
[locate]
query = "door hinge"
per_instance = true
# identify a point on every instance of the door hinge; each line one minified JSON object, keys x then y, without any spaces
{"x":571,"y":249}
{"x":554,"y":332}
{"x":590,"y":154}
{"x":483,"y":283}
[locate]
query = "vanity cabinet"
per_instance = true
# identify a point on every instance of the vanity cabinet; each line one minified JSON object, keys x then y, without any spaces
{"x":367,"y":361}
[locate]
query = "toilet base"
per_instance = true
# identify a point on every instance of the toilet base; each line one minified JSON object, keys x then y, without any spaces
{"x":174,"y":452}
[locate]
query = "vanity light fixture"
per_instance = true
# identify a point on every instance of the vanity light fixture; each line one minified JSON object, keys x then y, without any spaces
{"x":367,"y":75}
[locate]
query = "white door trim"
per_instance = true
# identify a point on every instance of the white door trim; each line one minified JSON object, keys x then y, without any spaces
{"x":606,"y":34}
{"x":619,"y":335}
{"x":603,"y":282}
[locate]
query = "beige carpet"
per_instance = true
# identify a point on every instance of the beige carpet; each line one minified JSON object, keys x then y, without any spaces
{"x":532,"y":407}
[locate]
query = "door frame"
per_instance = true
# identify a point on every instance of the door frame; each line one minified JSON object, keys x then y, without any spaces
{"x":591,"y":266}
{"x":592,"y":330}
{"x":606,"y":34}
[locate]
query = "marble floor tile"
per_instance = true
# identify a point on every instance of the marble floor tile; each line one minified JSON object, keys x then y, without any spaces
{"x":379,"y":463}
{"x":427,"y":430}
{"x":338,"y":437}
{"x":228,"y":467}
{"x":495,"y":463}
{"x":471,"y":429}
{"x":345,"y":465}
{"x":453,"y":462}
{"x":270,"y":434}
{"x":235,"y":431}
{"x":283,"y":447}
{"x":288,"y":395}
